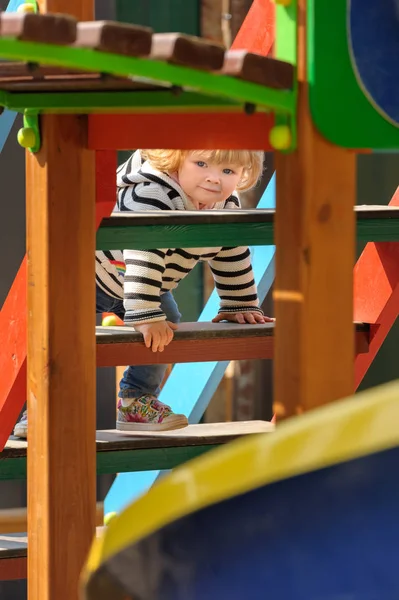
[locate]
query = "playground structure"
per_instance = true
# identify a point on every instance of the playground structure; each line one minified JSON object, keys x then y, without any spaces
{"x":148,"y":90}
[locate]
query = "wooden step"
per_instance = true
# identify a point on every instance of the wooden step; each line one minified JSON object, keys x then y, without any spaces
{"x":133,"y":41}
{"x":13,"y":556}
{"x":119,"y":452}
{"x":193,"y":229}
{"x":31,"y":77}
{"x":198,"y":342}
{"x":34,"y":27}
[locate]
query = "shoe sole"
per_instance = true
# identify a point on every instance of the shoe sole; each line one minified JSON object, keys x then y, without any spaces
{"x":168,"y":424}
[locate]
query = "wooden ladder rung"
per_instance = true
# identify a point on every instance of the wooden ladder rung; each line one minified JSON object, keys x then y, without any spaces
{"x":15,"y":520}
{"x":116,"y":38}
{"x":188,"y":51}
{"x":119,"y":452}
{"x":33,"y":27}
{"x":197,"y":342}
{"x":262,"y":70}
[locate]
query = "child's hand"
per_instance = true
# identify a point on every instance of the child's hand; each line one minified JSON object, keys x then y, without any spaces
{"x":157,"y":335}
{"x":243,"y":317}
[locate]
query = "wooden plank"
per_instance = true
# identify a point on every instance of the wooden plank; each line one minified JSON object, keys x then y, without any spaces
{"x":198,"y":342}
{"x":208,"y":130}
{"x":257,"y":33}
{"x":222,"y":228}
{"x":211,"y":20}
{"x":117,"y":38}
{"x":31,"y":77}
{"x":12,"y":569}
{"x":315,"y":240}
{"x":376,"y":294}
{"x":187,"y":51}
{"x":263,"y":70}
{"x":34,"y":27}
{"x":141,"y":451}
{"x":15,"y":520}
{"x":61,"y":377}
{"x":13,"y":354}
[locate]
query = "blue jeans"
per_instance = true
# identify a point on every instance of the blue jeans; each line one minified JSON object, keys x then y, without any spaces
{"x":142,"y":379}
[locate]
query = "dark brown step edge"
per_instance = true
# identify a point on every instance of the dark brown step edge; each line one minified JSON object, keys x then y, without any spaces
{"x":258,"y":69}
{"x":115,"y":38}
{"x":187,"y":51}
{"x":45,"y":29}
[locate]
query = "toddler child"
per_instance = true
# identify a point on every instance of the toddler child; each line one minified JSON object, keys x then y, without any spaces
{"x":137,"y":285}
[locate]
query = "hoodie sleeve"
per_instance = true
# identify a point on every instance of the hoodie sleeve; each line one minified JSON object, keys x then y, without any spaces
{"x":142,"y":286}
{"x":234,"y":280}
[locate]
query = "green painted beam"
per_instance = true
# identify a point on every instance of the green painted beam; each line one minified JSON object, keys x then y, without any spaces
{"x":117,"y":101}
{"x":119,"y":461}
{"x":227,"y":228}
{"x":150,"y":71}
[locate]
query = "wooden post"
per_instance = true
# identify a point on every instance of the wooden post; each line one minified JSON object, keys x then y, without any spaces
{"x":61,"y":349}
{"x":315,"y":239}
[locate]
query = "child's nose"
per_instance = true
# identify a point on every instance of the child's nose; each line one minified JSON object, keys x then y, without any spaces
{"x":213,"y":177}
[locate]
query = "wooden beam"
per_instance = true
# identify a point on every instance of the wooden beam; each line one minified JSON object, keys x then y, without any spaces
{"x":142,"y":450}
{"x":15,"y":520}
{"x":376,"y":294}
{"x":252,"y":227}
{"x":61,"y":358}
{"x":257,"y":33}
{"x":60,"y":186}
{"x":207,"y":130}
{"x":12,"y":569}
{"x":198,"y":342}
{"x":315,"y":242}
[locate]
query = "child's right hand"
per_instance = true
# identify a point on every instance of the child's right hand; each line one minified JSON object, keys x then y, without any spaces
{"x":157,"y":335}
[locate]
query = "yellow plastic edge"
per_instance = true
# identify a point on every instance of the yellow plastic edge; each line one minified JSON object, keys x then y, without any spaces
{"x":336,"y":433}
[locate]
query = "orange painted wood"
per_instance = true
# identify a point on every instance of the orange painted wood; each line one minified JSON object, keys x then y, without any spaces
{"x":13,"y":355}
{"x":13,"y":312}
{"x":315,"y":247}
{"x":12,"y":569}
{"x":257,"y":33}
{"x":207,"y":131}
{"x":376,"y":294}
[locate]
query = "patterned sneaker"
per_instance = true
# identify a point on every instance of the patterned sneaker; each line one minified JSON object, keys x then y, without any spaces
{"x":147,"y":413}
{"x":21,"y":428}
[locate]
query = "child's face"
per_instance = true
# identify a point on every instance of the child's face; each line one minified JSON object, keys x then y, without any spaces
{"x":206,"y":182}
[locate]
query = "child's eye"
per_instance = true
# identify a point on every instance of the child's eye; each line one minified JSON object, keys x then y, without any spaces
{"x":200,"y":163}
{"x":228,"y":171}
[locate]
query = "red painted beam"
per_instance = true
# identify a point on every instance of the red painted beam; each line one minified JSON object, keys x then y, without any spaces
{"x":13,"y":315}
{"x":14,"y":568}
{"x":181,"y":131}
{"x":376,"y":294}
{"x":206,"y":130}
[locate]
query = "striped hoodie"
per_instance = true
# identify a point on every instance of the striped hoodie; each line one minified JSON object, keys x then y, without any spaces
{"x":139,"y":277}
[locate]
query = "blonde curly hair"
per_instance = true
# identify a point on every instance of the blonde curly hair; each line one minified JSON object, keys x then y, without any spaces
{"x":169,"y":161}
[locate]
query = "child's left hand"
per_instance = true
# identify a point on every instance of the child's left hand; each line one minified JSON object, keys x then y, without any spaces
{"x":243,"y":317}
